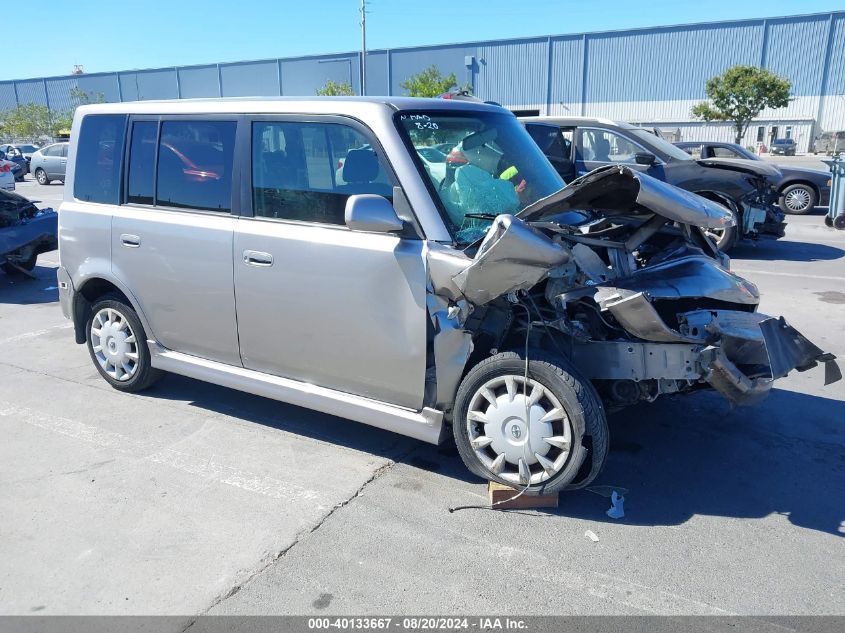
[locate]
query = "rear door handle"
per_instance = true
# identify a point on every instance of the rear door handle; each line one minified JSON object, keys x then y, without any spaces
{"x":258,"y":258}
{"x":130,"y":241}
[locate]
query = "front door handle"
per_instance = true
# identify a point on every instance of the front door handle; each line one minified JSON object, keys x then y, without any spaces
{"x":257,"y":258}
{"x":130,"y":241}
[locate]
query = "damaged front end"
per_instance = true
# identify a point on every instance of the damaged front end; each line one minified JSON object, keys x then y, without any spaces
{"x":615,"y":273}
{"x":25,"y":232}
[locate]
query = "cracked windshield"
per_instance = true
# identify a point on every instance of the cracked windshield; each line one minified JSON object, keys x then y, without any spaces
{"x":481,"y":165}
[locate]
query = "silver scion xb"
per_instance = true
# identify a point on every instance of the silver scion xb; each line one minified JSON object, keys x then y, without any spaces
{"x":306,"y":250}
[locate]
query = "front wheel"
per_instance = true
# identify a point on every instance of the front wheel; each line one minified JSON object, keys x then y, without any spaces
{"x":118,"y":346}
{"x":533,"y":433}
{"x":726,"y":238}
{"x":797,"y":199}
{"x":41,"y":177}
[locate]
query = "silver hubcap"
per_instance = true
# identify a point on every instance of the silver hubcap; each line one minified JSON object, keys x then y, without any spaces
{"x":797,"y":199}
{"x":114,"y":344}
{"x":519,"y":430}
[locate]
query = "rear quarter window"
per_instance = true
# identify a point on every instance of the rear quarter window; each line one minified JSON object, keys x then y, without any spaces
{"x":98,"y":158}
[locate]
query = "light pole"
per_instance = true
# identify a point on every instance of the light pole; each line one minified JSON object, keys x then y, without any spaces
{"x":363,"y":47}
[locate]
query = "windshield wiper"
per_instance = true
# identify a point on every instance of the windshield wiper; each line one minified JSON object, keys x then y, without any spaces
{"x":480,"y":216}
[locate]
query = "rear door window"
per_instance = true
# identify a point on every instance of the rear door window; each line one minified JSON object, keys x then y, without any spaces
{"x":98,"y":158}
{"x":195,"y":165}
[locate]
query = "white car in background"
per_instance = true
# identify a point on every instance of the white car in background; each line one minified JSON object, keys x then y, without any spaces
{"x":7,"y":179}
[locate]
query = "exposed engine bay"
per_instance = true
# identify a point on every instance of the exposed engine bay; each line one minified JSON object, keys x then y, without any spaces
{"x":615,"y":273}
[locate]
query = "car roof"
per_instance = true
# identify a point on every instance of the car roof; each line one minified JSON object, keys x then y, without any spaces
{"x":707,"y":143}
{"x":578,"y":120}
{"x":285,"y":105}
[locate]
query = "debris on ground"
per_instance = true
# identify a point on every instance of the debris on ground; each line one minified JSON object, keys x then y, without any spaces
{"x":616,"y":510}
{"x":592,"y":536}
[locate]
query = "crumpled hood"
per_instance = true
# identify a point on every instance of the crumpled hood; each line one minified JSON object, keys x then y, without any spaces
{"x":753,"y":167}
{"x":618,"y":189}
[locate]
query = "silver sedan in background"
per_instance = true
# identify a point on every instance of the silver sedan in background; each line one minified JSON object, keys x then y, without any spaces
{"x":49,"y":163}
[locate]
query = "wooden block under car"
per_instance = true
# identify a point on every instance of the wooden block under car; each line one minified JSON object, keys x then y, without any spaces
{"x":499,"y":492}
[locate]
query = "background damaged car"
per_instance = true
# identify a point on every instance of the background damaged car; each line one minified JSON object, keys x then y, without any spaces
{"x":485,"y":296}
{"x":577,"y":145}
{"x":25,"y":232}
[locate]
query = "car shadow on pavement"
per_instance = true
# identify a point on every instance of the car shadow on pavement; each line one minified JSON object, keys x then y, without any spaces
{"x":677,"y":458}
{"x":786,"y":251}
{"x":18,"y":289}
{"x":697,"y":456}
{"x":308,"y":423}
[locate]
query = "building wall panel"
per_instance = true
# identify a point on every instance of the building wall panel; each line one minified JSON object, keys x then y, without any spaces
{"x":96,"y":85}
{"x":156,"y":84}
{"x":198,"y":81}
{"x":377,"y":73}
{"x":566,"y":79}
{"x":7,"y":95}
{"x":303,"y":77}
{"x":796,"y":49}
{"x":448,"y":59}
{"x":31,"y":91}
{"x":250,"y":79}
{"x":515,"y":73}
{"x":672,"y":63}
{"x":59,"y":92}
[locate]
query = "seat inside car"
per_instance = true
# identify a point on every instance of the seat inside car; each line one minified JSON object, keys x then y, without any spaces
{"x":360,"y":171}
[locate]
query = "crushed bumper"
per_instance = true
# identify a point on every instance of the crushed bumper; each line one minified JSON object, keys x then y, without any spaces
{"x":746,"y":352}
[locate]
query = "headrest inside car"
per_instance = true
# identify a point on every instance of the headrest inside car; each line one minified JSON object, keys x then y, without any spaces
{"x":361,"y":165}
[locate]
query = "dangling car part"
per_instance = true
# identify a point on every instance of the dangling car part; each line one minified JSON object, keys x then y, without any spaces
{"x":25,"y":232}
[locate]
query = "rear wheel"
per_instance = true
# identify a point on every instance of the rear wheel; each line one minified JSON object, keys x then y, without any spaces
{"x":41,"y":177}
{"x":533,"y":433}
{"x":118,"y":345}
{"x":798,"y":199}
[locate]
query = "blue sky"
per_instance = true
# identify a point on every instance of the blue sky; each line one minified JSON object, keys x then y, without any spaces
{"x":105,"y":35}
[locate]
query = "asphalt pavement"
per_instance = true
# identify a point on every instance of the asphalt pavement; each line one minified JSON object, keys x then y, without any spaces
{"x":192,"y":499}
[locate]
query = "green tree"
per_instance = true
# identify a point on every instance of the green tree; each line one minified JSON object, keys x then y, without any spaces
{"x":335,"y":89}
{"x":429,"y":83}
{"x":740,"y":94}
{"x":30,"y":121}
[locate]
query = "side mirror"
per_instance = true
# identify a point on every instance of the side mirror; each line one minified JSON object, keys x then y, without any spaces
{"x":644,"y":158}
{"x":369,"y":212}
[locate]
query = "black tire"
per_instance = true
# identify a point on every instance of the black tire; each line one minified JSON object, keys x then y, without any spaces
{"x":41,"y":177}
{"x":589,"y":434}
{"x":806,"y":193}
{"x":146,"y":374}
{"x":27,"y":265}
